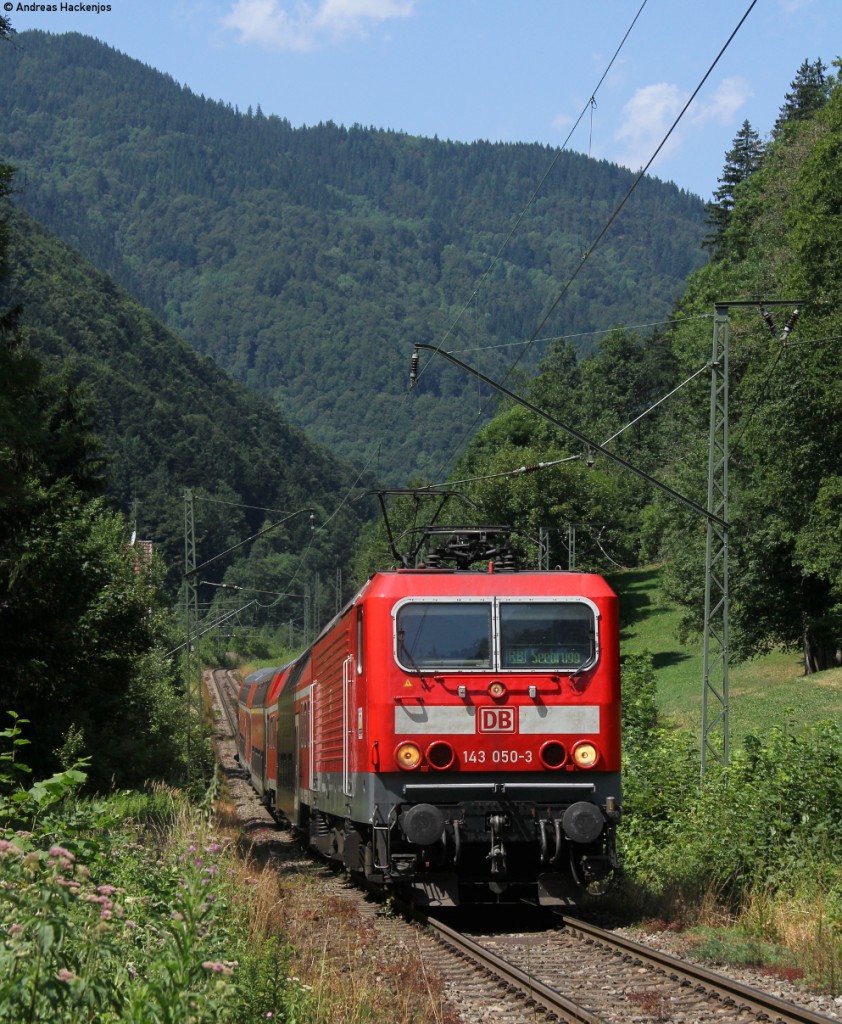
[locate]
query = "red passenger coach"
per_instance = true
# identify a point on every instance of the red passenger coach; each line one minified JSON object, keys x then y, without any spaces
{"x":455,"y":734}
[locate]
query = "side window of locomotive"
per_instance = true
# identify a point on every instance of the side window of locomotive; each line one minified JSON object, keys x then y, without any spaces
{"x":359,"y":641}
{"x":444,"y":635}
{"x":556,"y":636}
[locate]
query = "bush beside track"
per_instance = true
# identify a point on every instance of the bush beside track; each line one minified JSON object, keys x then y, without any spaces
{"x":755,"y":846}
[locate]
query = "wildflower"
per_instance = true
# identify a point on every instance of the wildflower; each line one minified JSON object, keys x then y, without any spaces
{"x":131,"y":924}
{"x":59,"y":851}
{"x":65,"y":975}
{"x":217,"y":967}
{"x":213,"y":848}
{"x":15,"y":930}
{"x":7,"y":847}
{"x":106,"y":890}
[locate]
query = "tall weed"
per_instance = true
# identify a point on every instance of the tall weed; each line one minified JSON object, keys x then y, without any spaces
{"x":755,"y":839}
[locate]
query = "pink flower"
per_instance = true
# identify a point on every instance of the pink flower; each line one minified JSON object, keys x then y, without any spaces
{"x":65,"y":975}
{"x":226,"y":967}
{"x":59,"y":851}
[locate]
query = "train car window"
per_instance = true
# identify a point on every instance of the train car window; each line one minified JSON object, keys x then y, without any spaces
{"x":444,"y":634}
{"x":359,"y":641}
{"x":556,"y":635}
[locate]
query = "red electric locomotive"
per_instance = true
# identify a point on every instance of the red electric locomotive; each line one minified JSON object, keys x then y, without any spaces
{"x":453,"y":734}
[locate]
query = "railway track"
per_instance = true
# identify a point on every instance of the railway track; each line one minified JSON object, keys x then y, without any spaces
{"x":581,"y":973}
{"x":568,"y":971}
{"x":224,"y":688}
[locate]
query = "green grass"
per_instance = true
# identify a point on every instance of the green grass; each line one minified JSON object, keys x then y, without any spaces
{"x":767,"y":691}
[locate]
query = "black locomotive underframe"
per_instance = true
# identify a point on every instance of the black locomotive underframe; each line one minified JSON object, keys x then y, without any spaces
{"x":489,"y":851}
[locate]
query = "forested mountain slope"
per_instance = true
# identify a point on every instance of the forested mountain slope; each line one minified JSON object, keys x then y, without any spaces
{"x":777,"y":239}
{"x":169,"y":418}
{"x":307,"y":261}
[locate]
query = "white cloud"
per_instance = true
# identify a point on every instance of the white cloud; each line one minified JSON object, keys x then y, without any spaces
{"x":649,"y":114}
{"x":562,"y":121}
{"x":646,"y":119}
{"x":724,"y":104}
{"x":304,"y":25}
{"x":793,"y":6}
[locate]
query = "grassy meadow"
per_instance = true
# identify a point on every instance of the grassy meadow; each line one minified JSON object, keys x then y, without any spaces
{"x":767,"y":691}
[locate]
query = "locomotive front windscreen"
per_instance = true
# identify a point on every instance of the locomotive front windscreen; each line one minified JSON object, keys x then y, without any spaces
{"x":445,"y":635}
{"x":548,"y":635}
{"x":496,"y":635}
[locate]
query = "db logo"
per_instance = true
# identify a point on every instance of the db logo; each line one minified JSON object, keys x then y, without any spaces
{"x":496,"y":720}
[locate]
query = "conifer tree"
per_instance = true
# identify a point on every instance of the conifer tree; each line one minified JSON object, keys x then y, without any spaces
{"x":809,"y":92}
{"x":741,"y":161}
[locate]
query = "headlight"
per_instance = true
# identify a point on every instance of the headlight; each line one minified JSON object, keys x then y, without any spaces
{"x":408,"y":755}
{"x":585,"y":755}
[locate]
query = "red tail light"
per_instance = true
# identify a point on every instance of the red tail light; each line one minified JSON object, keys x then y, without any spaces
{"x":553,"y":755}
{"x":440,"y":755}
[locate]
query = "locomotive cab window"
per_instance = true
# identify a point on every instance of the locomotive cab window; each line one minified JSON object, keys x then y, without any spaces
{"x":553,"y":635}
{"x":496,"y":635}
{"x":443,"y":635}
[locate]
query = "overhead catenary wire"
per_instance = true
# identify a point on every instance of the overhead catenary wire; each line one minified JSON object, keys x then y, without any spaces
{"x":588,"y":106}
{"x":591,"y":103}
{"x":785,"y":343}
{"x":615,"y":213}
{"x":534,"y":467}
{"x":374,"y":449}
{"x":238,"y":504}
{"x":585,"y":334}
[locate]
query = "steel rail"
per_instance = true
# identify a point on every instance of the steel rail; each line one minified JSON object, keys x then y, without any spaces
{"x":765,"y":1006}
{"x":513,"y":977}
{"x":222,"y":695}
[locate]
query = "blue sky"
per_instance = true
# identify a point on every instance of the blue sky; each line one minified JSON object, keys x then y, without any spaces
{"x":485,"y":69}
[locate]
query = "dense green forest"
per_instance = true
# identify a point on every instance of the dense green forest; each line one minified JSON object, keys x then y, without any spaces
{"x":775,"y":234}
{"x":170,"y":419}
{"x":306,"y":262}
